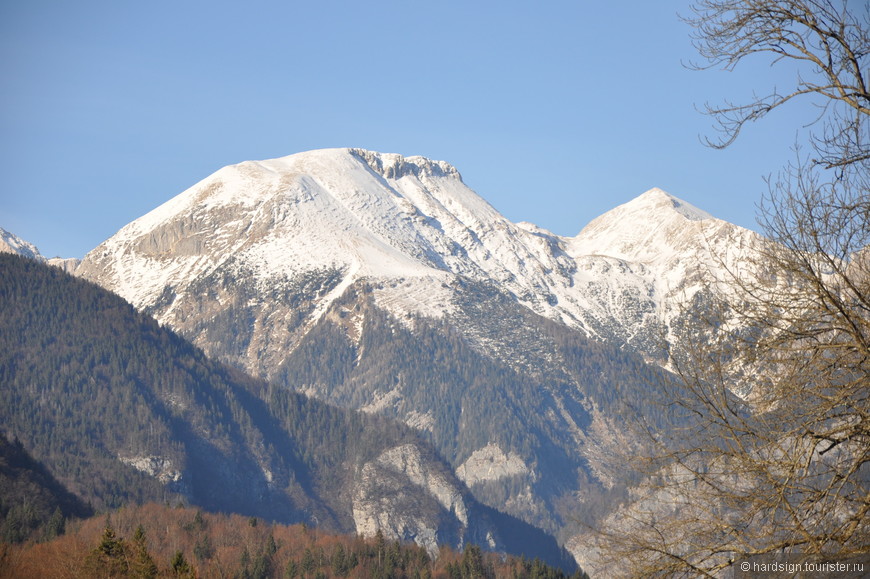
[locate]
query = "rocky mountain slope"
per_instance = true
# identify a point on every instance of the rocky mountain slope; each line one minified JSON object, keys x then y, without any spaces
{"x":383,"y":283}
{"x":119,"y":409}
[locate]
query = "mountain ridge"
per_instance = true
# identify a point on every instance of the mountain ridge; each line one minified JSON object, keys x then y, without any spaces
{"x":372,"y":215}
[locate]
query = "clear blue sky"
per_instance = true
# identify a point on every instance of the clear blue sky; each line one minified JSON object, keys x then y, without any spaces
{"x":554,"y":111}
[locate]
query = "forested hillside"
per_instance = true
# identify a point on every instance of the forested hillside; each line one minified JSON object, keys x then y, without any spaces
{"x":33,"y":504}
{"x":542,"y":397}
{"x":121,"y":410}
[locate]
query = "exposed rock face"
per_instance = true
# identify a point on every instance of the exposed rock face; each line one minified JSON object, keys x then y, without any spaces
{"x":159,"y":467}
{"x":406,"y":459}
{"x":67,"y":264}
{"x":382,"y":501}
{"x":490,"y":463}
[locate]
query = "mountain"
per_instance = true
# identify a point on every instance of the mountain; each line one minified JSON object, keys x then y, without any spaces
{"x":383,"y":283}
{"x":646,"y":261}
{"x":312,"y":224}
{"x":119,"y":409}
{"x":11,"y":243}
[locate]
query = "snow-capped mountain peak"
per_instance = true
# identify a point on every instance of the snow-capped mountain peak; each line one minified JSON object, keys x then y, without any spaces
{"x":367,"y":214}
{"x":657,"y":199}
{"x":649,"y":228}
{"x":11,"y":243}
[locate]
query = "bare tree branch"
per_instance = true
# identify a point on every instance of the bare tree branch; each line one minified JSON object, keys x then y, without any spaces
{"x":827,"y":42}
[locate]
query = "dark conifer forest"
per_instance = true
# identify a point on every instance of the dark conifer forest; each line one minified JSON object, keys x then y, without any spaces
{"x":102,"y":408}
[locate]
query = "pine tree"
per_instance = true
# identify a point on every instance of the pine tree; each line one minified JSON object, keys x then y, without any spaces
{"x":180,"y":567}
{"x":472,"y":562}
{"x":55,"y":526}
{"x":292,"y":569}
{"x":308,"y":563}
{"x":340,"y":564}
{"x":109,"y":558}
{"x":141,"y":564}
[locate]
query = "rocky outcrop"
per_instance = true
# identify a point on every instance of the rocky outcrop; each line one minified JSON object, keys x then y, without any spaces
{"x":490,"y":463}
{"x":386,"y":500}
{"x":158,"y":467}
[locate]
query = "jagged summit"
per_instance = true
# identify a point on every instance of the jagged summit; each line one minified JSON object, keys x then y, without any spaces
{"x":393,"y":166}
{"x":388,"y":165}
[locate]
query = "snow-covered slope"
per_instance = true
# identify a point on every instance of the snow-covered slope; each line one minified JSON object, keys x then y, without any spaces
{"x":645,"y":260}
{"x":11,"y":243}
{"x":413,"y":225}
{"x":367,"y":214}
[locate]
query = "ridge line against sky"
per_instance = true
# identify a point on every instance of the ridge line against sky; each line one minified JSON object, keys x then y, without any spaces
{"x":554,"y":112}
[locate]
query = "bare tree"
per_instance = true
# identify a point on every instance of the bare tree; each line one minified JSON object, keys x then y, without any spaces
{"x":769,"y":445}
{"x":826,"y":41}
